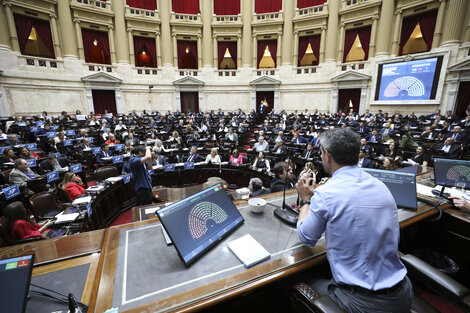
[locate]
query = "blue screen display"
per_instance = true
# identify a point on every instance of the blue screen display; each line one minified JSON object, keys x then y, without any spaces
{"x":408,"y":80}
{"x":198,"y":222}
{"x":449,"y":173}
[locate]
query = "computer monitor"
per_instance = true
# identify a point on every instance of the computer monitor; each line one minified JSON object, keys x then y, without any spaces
{"x":199,"y":222}
{"x":401,"y":185}
{"x":449,"y":173}
{"x":15,"y":277}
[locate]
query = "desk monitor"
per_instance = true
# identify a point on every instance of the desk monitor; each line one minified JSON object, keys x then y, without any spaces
{"x":449,"y":173}
{"x":199,"y":222}
{"x":401,"y":185}
{"x":15,"y":277}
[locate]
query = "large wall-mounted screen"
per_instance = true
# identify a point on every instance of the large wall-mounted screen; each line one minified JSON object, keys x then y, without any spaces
{"x":408,"y":80}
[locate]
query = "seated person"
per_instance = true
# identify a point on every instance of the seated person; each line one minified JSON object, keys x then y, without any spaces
{"x":298,"y":140}
{"x":389,"y":164}
{"x":279,"y":148}
{"x":284,"y":177}
{"x":19,"y":225}
{"x":428,"y":133}
{"x":363,"y":161}
{"x":449,"y":149}
{"x":8,"y":156}
{"x":158,"y":147}
{"x":131,"y":139}
{"x":21,"y":174}
{"x":406,"y":139}
{"x":3,"y":136}
{"x":85,"y":145}
{"x":374,"y":136}
{"x":13,"y":140}
{"x":52,"y":163}
{"x":366,"y":147}
{"x":194,"y":136}
{"x":309,"y":153}
{"x":26,"y":154}
{"x":104,"y":153}
{"x":459,"y":135}
{"x":232,"y":136}
{"x":420,"y":157}
{"x":362,"y":129}
{"x":112,"y":140}
{"x":236,"y":158}
{"x":256,"y":187}
{"x":279,"y":137}
{"x":73,"y":185}
{"x":392,"y":151}
{"x":158,"y":159}
{"x":261,"y":145}
{"x":193,"y":155}
{"x":261,"y":163}
{"x":213,"y":157}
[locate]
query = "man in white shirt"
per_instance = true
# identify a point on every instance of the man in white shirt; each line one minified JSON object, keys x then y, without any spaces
{"x":261,"y":145}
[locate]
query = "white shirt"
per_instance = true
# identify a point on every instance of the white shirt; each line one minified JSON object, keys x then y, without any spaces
{"x":215,"y":160}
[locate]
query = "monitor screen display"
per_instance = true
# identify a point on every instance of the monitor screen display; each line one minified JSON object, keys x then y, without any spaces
{"x":450,"y":173}
{"x":408,"y":80}
{"x":401,"y":185}
{"x":197,"y":223}
{"x":15,"y":277}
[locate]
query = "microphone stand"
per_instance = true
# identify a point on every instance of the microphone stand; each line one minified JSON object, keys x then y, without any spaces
{"x":285,"y":215}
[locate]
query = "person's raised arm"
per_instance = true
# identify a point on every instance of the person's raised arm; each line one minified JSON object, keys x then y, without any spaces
{"x":147,"y":158}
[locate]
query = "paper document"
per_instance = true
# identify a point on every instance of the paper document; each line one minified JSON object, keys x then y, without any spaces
{"x":424,"y":190}
{"x":114,"y":179}
{"x":248,"y":250}
{"x":65,"y":218}
{"x":81,"y":200}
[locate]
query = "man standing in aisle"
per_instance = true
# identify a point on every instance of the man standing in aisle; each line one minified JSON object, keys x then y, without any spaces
{"x":359,"y":217}
{"x":140,"y":164}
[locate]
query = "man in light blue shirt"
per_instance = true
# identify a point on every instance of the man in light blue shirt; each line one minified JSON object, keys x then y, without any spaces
{"x":360,"y":220}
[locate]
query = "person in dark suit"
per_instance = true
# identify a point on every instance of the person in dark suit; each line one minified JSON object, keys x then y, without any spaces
{"x":256,"y":187}
{"x":309,"y":153}
{"x":283,"y":177}
{"x":428,"y":133}
{"x":157,"y":159}
{"x":374,"y":136}
{"x":362,"y":129}
{"x":193,"y":155}
{"x":366,"y":147}
{"x":459,"y":136}
{"x":85,"y":145}
{"x":13,"y":140}
{"x":363,"y":161}
{"x":104,"y":153}
{"x":449,"y":149}
{"x":298,"y":140}
{"x":52,"y":163}
{"x":386,"y":130}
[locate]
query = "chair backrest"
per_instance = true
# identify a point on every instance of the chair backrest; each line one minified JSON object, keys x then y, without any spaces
{"x":62,"y":195}
{"x":104,"y":172}
{"x":6,"y":174}
{"x":5,"y":238}
{"x":44,"y":205}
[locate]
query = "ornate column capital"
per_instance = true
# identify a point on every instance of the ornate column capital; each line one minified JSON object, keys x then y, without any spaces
{"x":239,"y":36}
{"x":157,"y":34}
{"x":279,"y":34}
{"x":110,"y":27}
{"x":375,"y":18}
{"x":129,"y":29}
{"x":214,"y":36}
{"x":199,"y":36}
{"x":323,"y":28}
{"x":398,"y":12}
{"x":341,"y":25}
{"x":52,"y":15}
{"x":76,"y":20}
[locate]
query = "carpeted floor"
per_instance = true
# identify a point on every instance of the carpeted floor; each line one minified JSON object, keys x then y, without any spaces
{"x":124,"y":218}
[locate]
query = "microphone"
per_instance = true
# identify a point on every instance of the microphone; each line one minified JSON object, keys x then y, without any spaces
{"x":287,"y":216}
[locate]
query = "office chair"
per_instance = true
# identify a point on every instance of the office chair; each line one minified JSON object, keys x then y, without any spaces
{"x":305,"y":299}
{"x":7,"y":240}
{"x":44,"y":205}
{"x":104,"y":172}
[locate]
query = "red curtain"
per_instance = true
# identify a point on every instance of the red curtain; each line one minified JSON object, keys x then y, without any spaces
{"x":463,"y":99}
{"x":314,"y":41}
{"x":92,"y":51}
{"x":427,"y":22}
{"x":232,"y":48}
{"x":187,"y":60}
{"x":24,"y":25}
{"x":344,"y":95}
{"x":185,"y":6}
{"x":364,"y":37}
{"x":267,"y":6}
{"x":309,"y":3}
{"x":143,"y":4}
{"x":272,"y":45}
{"x":148,"y":45}
{"x":104,"y":100}
{"x":227,"y":7}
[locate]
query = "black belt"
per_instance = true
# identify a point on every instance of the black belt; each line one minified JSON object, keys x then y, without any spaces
{"x":358,"y":289}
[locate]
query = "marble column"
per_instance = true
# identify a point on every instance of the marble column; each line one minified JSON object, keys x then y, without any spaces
{"x":159,"y":48}
{"x":215,"y":52}
{"x":373,"y":35}
{"x":175,"y":50}
{"x":247,"y":15}
{"x":55,"y":36}
{"x":296,"y":49}
{"x":288,"y":32}
{"x":322,"y":44}
{"x":78,"y":33}
{"x":206,"y":17}
{"x":168,"y":51}
{"x":239,"y":51}
{"x":332,"y":30}
{"x":4,"y":31}
{"x":12,"y":28}
{"x":112,"y":48}
{"x":130,"y":38}
{"x":436,"y":40}
{"x":255,"y":54}
{"x":68,"y":36}
{"x":454,"y":17}
{"x":279,"y":49}
{"x":396,"y":32}
{"x":339,"y":58}
{"x":122,"y":51}
{"x":385,"y":28}
{"x":199,"y":51}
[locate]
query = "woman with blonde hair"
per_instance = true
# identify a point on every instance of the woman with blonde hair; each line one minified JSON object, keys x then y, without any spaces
{"x":213,"y":158}
{"x":73,"y":185}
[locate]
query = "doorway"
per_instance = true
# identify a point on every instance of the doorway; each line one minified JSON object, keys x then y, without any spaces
{"x":463,"y":99}
{"x":267,"y":97}
{"x":104,"y":101}
{"x":189,"y":102}
{"x":349,"y":98}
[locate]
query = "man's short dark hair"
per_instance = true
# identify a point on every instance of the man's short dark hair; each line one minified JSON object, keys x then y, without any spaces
{"x":343,"y":145}
{"x":139,"y":149}
{"x":256,"y":183}
{"x":51,"y":156}
{"x":279,"y":167}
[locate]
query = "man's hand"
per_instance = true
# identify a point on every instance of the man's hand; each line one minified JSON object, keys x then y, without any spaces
{"x":306,"y":184}
{"x":461,"y":203}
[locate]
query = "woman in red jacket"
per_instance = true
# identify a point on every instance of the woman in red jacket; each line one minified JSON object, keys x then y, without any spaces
{"x":73,"y":185}
{"x":20,"y":226}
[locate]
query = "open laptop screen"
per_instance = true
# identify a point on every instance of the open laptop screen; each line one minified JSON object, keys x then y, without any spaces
{"x":15,"y":277}
{"x":197,"y":223}
{"x":401,"y":185}
{"x":449,"y":173}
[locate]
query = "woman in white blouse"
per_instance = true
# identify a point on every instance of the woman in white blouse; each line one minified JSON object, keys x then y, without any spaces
{"x":261,"y":163}
{"x":213,"y":158}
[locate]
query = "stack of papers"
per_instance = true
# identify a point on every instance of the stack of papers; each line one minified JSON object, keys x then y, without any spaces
{"x":82,"y":200}
{"x":248,"y":250}
{"x":113,"y":179}
{"x":65,"y":218}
